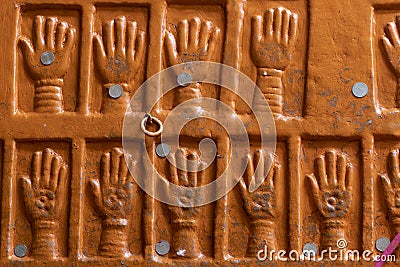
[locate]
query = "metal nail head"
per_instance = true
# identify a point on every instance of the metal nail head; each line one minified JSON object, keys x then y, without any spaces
{"x":162,"y":247}
{"x":382,"y":244}
{"x":360,"y":89}
{"x":163,"y":150}
{"x":20,"y":250}
{"x":115,"y":91}
{"x":184,"y":79}
{"x":310,"y":249}
{"x":47,"y":58}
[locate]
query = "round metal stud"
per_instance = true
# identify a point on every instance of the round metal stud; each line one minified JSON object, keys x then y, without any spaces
{"x":115,"y":91}
{"x":20,"y":250}
{"x":382,"y":243}
{"x":162,"y":248}
{"x":360,"y":89}
{"x":163,"y":150}
{"x":47,"y":58}
{"x":309,"y":249}
{"x":184,"y":79}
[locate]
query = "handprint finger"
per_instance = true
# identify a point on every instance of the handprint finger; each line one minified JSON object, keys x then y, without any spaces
{"x":292,"y":30}
{"x":213,"y":41}
{"x":249,"y":172}
{"x":62,"y":185}
{"x":388,"y":189}
{"x":193,"y":163}
{"x":349,"y":177}
{"x":170,"y":47}
{"x":194,"y":26}
{"x":120,"y":31}
{"x":285,"y":27}
{"x":182,"y":36}
{"x":139,"y":53}
{"x":116,"y":154}
{"x":259,"y":176}
{"x":55,"y":170}
{"x":27,"y":192}
{"x":46,"y":167}
{"x":105,"y":170}
{"x":331,"y":158}
{"x":38,"y":29}
{"x":341,"y":171}
{"x":314,"y":187}
{"x":386,"y":43}
{"x":36,"y":169}
{"x":131,"y":30}
{"x":123,"y":171}
{"x":268,"y":25}
{"x":60,"y":35}
{"x":393,"y":165}
{"x":256,"y":29}
{"x":277,"y":26}
{"x":70,"y":37}
{"x":204,"y":35}
{"x":392,"y":33}
{"x":181,"y":160}
{"x":321,"y":172}
{"x":97,"y":196}
{"x":50,"y":29}
{"x":108,"y":37}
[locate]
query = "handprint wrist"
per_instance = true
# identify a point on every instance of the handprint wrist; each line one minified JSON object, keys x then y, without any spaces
{"x":262,"y":232}
{"x":114,"y":238}
{"x":270,"y":83}
{"x":44,"y":239}
{"x":48,"y":95}
{"x":333,"y":230}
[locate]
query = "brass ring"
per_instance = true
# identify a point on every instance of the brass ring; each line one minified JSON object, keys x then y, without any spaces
{"x":148,"y":118}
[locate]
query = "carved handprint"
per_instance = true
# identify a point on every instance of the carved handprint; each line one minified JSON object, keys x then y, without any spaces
{"x":331,"y":187}
{"x":113,"y":197}
{"x":48,"y":36}
{"x":273,"y":38}
{"x":184,"y":218}
{"x":118,"y":54}
{"x":260,"y":205}
{"x":391,"y":185}
{"x":43,"y":194}
{"x":391,"y":42}
{"x":196,"y":41}
{"x":332,"y":194}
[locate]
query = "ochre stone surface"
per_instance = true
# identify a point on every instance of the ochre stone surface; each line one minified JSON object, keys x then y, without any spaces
{"x":67,"y":193}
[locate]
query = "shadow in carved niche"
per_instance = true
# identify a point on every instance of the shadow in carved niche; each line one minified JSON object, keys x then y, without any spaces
{"x":48,"y":84}
{"x":277,"y":62}
{"x":42,"y":196}
{"x":127,"y":26}
{"x":112,"y":225}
